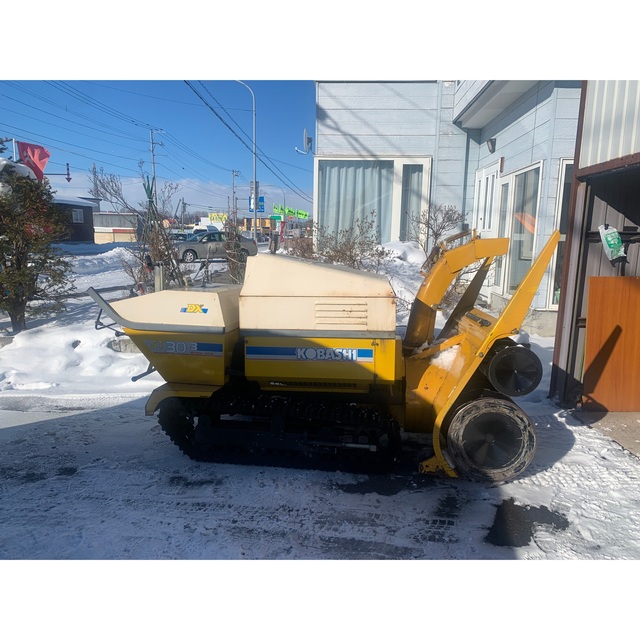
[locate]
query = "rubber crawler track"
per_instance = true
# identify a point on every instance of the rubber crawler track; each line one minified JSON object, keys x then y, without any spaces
{"x":259,"y":423}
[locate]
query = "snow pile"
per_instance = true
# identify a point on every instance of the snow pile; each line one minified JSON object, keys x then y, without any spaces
{"x":70,"y":360}
{"x":403,"y":269}
{"x":409,"y":252}
{"x":446,"y":358}
{"x":88,"y":267}
{"x":66,"y":355}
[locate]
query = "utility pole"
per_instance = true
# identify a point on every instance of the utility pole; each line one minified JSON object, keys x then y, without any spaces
{"x":153,"y":165}
{"x":234,"y":175}
{"x":255,"y":191}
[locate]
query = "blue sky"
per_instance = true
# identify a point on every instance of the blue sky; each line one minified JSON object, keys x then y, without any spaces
{"x":202,"y":130}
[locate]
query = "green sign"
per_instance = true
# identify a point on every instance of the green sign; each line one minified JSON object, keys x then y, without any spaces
{"x":297,"y":213}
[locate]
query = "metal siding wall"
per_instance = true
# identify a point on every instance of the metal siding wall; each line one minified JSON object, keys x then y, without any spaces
{"x":450,"y":159}
{"x":395,"y":119}
{"x":539,"y":127}
{"x":611,"y":129}
{"x":415,"y":119}
{"x":377,"y":118}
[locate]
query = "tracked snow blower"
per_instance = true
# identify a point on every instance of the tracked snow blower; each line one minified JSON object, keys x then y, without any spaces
{"x":305,"y":357}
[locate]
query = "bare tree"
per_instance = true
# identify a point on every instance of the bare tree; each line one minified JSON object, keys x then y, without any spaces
{"x":432,"y":225}
{"x":236,"y":259}
{"x":154,"y":247}
{"x":357,"y":247}
{"x":108,"y":187}
{"x":165,"y":204}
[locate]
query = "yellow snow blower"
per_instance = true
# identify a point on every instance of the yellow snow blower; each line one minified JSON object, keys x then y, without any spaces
{"x":305,"y":357}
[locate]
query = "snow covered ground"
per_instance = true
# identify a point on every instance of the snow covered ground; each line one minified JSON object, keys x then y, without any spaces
{"x":86,"y":475}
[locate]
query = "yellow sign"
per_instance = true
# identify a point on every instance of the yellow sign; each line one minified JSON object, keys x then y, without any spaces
{"x":217,"y":217}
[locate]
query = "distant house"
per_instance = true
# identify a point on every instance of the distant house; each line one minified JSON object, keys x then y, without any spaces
{"x":80,"y":218}
{"x":500,"y":151}
{"x":110,"y":226}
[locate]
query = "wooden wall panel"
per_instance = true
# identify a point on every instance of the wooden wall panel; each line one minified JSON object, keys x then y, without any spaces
{"x":612,"y":345}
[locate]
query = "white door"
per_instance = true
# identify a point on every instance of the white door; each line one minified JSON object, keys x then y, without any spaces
{"x":485,"y":202}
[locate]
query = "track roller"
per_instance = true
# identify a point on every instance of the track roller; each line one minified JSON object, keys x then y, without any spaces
{"x":490,"y":439}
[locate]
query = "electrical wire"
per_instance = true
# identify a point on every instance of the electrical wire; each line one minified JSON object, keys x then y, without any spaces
{"x":285,"y":180}
{"x":174,"y":147}
{"x":84,"y":117}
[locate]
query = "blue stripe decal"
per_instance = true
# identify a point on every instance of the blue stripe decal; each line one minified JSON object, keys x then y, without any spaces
{"x":271,"y":353}
{"x":309,"y":354}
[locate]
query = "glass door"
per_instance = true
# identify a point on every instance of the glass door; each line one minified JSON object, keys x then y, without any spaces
{"x":485,"y":215}
{"x":523,"y":229}
{"x":496,"y":276}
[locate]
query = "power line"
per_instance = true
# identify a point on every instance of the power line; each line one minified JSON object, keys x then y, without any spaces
{"x":67,"y":128}
{"x":118,"y":114}
{"x":285,"y":180}
{"x":181,"y":156}
{"x":262,"y":155}
{"x":84,"y":117}
{"x":44,"y":138}
{"x":143,"y":95}
{"x":82,"y":97}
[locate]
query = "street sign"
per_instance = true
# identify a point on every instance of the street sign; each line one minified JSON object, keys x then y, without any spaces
{"x":260,"y":204}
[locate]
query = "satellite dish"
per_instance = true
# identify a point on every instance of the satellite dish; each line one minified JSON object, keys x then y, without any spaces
{"x":306,"y":143}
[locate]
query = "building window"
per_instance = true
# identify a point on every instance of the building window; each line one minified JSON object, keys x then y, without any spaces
{"x":502,"y":214}
{"x":525,"y":214}
{"x":351,"y":189}
{"x":411,"y":199}
{"x":77,"y":216}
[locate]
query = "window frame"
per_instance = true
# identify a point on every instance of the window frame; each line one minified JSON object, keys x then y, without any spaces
{"x":562,"y":169}
{"x":485,"y":198}
{"x":396,"y":196}
{"x":502,"y":288}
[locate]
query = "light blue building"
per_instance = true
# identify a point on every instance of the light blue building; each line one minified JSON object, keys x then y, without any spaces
{"x":502,"y":152}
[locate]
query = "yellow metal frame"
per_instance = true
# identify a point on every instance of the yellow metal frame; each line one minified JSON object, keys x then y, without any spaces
{"x":176,"y":390}
{"x":196,"y":358}
{"x":437,"y":376}
{"x":349,"y":364}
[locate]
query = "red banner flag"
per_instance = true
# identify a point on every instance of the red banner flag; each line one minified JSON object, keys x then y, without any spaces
{"x":34,"y":157}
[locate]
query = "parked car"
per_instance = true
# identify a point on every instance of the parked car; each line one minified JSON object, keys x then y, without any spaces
{"x":180,"y":235}
{"x":210,"y":245}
